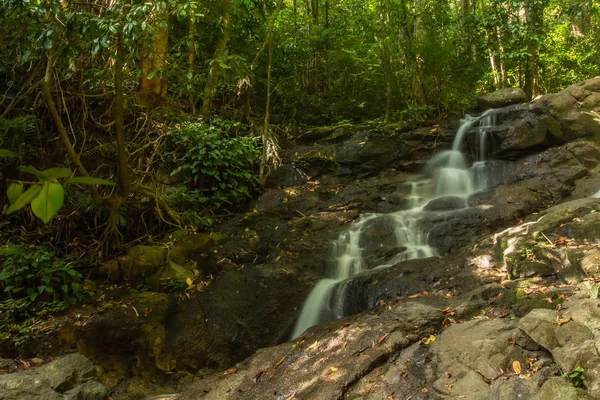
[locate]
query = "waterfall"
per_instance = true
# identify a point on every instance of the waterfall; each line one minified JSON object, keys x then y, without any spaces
{"x":447,"y":175}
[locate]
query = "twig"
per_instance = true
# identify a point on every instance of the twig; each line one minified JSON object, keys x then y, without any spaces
{"x":551,"y":244}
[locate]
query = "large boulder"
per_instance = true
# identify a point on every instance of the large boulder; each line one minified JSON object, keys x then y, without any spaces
{"x":72,"y":377}
{"x":571,"y":336}
{"x":576,"y":108}
{"x":501,"y":98}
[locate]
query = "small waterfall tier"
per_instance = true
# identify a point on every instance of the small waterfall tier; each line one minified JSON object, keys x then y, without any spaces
{"x":448,"y":176}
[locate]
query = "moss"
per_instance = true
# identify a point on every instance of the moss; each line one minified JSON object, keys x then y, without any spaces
{"x":316,"y":162}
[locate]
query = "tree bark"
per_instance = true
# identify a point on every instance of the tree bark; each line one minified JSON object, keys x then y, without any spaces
{"x":407,"y":46}
{"x":192,"y":60}
{"x":123,"y":169}
{"x":153,"y":89}
{"x":533,"y":15}
{"x":62,"y":131}
{"x":384,"y":8}
{"x":214,"y":71}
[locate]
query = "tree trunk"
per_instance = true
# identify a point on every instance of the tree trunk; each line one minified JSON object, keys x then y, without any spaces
{"x":122,"y":168}
{"x":533,"y":15}
{"x":266,"y":142}
{"x":214,"y":71}
{"x":503,"y":76}
{"x":407,"y":46}
{"x":192,"y":60}
{"x":153,"y":89}
{"x":60,"y":127}
{"x":384,"y":8}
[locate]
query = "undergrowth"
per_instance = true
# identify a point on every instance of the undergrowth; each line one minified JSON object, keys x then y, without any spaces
{"x":35,"y":282}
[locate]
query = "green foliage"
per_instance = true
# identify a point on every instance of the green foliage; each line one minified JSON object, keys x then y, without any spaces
{"x":36,"y":272}
{"x":46,"y":196}
{"x":34,"y":282}
{"x":415,"y":114}
{"x":576,"y":377}
{"x":217,"y":170}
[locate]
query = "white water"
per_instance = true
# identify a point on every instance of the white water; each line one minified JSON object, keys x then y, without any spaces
{"x":450,"y":176}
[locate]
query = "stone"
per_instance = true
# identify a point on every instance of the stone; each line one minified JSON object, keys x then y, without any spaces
{"x":501,"y":98}
{"x":590,"y":263}
{"x":561,"y":389}
{"x":575,"y":108}
{"x":446,"y":203}
{"x":539,"y":324}
{"x":285,"y":176}
{"x":72,"y":377}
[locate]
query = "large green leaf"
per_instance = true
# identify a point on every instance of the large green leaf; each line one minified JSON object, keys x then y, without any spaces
{"x":14,"y":191}
{"x":32,"y":170}
{"x":49,"y":201}
{"x":7,"y":154}
{"x":55,"y":173}
{"x":89,"y":181}
{"x":25,"y":198}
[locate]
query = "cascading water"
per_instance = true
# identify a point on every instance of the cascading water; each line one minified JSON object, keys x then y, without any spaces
{"x":449,"y":176}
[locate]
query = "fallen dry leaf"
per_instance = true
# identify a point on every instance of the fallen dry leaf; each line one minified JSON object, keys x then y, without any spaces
{"x":447,"y":322}
{"x":312,"y":346}
{"x":563,"y":321}
{"x":428,"y":340}
{"x":230,"y":371}
{"x":382,"y":338}
{"x":280,"y":361}
{"x":516,"y":367}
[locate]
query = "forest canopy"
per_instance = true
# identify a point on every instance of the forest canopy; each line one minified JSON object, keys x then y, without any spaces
{"x":170,"y":111}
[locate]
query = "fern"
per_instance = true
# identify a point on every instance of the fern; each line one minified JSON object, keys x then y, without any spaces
{"x":21,"y":135}
{"x":104,"y":150}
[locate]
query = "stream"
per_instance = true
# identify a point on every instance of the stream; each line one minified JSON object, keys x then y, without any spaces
{"x":447,"y":175}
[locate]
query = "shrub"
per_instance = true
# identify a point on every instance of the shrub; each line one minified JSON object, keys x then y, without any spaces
{"x":217,"y":170}
{"x":34,"y":282}
{"x":34,"y":274}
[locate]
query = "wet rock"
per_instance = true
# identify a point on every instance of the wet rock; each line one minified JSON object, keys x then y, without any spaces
{"x":446,"y":203}
{"x":525,"y":132}
{"x":501,"y":98}
{"x":71,"y":377}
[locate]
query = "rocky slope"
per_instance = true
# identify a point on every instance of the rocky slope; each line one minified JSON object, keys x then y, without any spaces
{"x":503,"y":313}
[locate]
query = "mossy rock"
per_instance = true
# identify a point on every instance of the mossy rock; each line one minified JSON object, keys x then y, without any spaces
{"x":187,"y":245}
{"x":315,"y":164}
{"x":522,"y":303}
{"x":139,"y":263}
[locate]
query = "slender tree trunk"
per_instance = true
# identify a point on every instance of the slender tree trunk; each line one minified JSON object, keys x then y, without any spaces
{"x":62,"y":131}
{"x":504,"y":77}
{"x":123,"y":170}
{"x":384,"y":8}
{"x":153,"y":89}
{"x":214,"y":71}
{"x":192,"y":60}
{"x":265,"y":135}
{"x":533,"y":16}
{"x":266,"y":143}
{"x":407,"y":39}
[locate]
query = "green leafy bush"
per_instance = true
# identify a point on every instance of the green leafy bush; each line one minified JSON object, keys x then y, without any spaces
{"x":217,"y":170}
{"x":34,"y":282}
{"x":34,"y":276}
